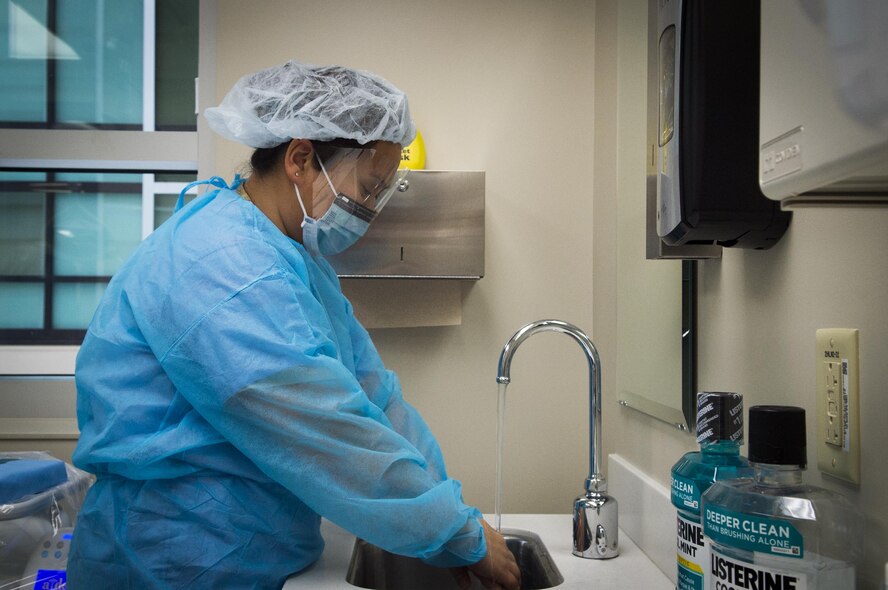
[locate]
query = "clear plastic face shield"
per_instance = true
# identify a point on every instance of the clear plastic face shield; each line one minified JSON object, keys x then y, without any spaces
{"x":363,"y":178}
{"x":354,"y":185}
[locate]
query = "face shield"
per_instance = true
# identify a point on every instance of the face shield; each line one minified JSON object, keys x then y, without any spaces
{"x":355,"y":185}
{"x":365,"y":178}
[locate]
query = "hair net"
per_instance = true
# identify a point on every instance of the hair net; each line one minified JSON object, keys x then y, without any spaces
{"x":299,"y":101}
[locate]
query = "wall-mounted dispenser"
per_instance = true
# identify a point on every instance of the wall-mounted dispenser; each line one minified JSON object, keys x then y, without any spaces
{"x":433,"y":229}
{"x":655,"y":247}
{"x":706,"y":153}
{"x":824,"y":102}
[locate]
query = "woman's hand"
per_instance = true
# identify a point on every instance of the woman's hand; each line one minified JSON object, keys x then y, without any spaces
{"x":498,"y":570}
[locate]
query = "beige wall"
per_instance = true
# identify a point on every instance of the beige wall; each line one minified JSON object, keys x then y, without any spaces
{"x":529,"y":91}
{"x":758,"y":310}
{"x":500,"y":86}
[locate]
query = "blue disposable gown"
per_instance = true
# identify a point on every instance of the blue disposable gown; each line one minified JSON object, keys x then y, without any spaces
{"x":227,"y":399}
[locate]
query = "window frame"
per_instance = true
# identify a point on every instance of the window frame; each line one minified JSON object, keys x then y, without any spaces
{"x":146,"y":189}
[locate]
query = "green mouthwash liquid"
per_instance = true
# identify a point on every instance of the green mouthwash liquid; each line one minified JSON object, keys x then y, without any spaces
{"x":720,"y":434}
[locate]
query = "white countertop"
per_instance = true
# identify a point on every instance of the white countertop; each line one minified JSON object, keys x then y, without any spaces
{"x":631,"y":569}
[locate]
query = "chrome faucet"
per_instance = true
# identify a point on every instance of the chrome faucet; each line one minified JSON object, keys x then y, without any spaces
{"x":595,"y":532}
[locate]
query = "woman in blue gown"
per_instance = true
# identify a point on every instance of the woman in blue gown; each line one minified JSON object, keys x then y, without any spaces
{"x":226,"y":395}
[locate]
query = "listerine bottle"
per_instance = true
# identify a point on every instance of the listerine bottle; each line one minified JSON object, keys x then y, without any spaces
{"x":720,"y":434}
{"x":772,"y":530}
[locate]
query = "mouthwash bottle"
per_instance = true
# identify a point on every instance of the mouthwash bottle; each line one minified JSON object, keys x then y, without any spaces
{"x":772,"y":530}
{"x":720,"y":434}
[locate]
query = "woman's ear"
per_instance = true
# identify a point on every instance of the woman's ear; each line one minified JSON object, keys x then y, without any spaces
{"x":298,"y":160}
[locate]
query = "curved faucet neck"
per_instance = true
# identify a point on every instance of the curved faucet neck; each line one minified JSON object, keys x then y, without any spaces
{"x":503,"y":376}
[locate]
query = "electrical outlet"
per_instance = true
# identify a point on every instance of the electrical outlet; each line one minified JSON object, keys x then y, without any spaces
{"x":838,"y":408}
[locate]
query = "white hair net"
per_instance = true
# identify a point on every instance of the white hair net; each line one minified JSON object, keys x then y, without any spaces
{"x":299,"y":101}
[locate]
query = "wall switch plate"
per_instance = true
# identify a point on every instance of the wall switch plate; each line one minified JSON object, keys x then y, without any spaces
{"x":837,"y":437}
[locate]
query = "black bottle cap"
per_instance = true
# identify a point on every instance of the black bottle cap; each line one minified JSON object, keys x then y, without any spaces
{"x":777,"y":435}
{"x":719,"y":416}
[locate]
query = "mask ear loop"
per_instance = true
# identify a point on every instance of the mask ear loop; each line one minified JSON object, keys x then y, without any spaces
{"x":301,"y":205}
{"x":329,"y":182}
{"x":305,"y":214}
{"x":327,"y":176}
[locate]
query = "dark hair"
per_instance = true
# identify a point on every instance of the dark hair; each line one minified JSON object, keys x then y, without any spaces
{"x":266,"y":160}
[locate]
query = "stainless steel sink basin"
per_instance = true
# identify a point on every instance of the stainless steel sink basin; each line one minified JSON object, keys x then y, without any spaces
{"x":371,"y":567}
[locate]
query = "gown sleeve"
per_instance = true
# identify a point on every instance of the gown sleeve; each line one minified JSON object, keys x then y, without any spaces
{"x":383,"y":388}
{"x":262,"y":369}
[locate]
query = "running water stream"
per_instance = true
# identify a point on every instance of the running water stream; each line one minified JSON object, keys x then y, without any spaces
{"x":500,"y":427}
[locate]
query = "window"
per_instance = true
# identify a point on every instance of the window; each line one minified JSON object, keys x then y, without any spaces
{"x":98,"y":64}
{"x":63,"y":236}
{"x":97,"y":138}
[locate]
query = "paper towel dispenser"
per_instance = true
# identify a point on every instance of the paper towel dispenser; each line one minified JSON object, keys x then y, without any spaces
{"x":824,"y":102}
{"x":434,"y":229}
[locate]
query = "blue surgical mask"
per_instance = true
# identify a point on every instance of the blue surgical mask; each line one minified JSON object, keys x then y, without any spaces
{"x":343,"y":224}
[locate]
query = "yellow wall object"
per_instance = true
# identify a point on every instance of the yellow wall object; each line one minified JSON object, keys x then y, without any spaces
{"x":413,"y":156}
